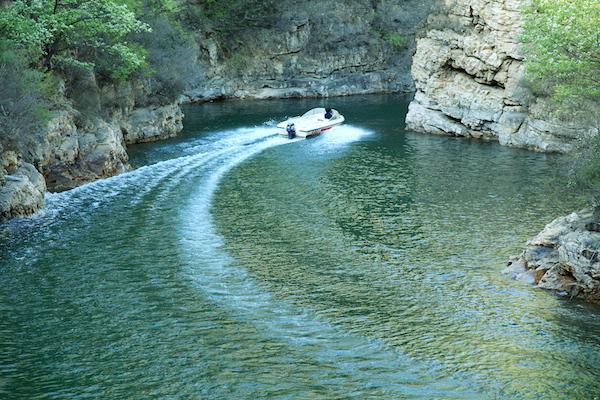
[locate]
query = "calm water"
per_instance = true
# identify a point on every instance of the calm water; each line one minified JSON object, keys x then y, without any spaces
{"x":234,"y":264}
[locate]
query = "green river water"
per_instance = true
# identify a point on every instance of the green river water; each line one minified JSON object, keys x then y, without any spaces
{"x":235,"y":264}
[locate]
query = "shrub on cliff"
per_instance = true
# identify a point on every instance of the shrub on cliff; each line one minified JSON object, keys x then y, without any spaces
{"x":172,"y":63}
{"x":227,"y":18}
{"x":23,"y":99}
{"x":88,"y":34}
{"x":562,"y":40}
{"x":563,"y":54}
{"x":585,"y":172}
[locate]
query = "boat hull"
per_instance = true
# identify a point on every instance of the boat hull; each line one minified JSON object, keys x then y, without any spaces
{"x":310,"y":133}
{"x":311,"y":124}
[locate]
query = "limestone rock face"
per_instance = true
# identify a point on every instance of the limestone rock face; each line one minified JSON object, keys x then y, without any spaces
{"x":73,"y":148}
{"x":87,"y":139}
{"x":78,"y":154}
{"x":152,"y":123}
{"x":314,"y":49}
{"x":22,"y":187}
{"x":563,"y":257}
{"x":468,"y":71}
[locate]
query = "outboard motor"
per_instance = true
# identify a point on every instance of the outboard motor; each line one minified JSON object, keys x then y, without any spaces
{"x":291,"y":131}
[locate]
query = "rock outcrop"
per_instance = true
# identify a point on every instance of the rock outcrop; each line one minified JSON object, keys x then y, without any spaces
{"x":564,"y":257}
{"x":76,"y":147}
{"x":22,"y":187}
{"x":468,"y":71}
{"x":76,"y":152}
{"x":152,"y":123}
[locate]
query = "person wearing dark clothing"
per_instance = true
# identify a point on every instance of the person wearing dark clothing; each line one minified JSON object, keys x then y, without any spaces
{"x":291,"y":131}
{"x":328,"y":113}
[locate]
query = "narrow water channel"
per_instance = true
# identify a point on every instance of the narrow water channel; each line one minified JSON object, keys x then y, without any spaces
{"x":236,"y":264}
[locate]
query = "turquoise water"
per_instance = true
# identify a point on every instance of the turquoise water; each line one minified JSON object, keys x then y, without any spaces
{"x":235,"y":264}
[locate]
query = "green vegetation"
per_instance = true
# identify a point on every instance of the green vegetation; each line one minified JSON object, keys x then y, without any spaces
{"x":53,"y":48}
{"x":563,"y":64}
{"x":24,"y":95}
{"x":395,"y":39}
{"x":87,"y":34}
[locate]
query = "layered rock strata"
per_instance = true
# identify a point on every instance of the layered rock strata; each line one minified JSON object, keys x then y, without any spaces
{"x":564,"y":257}
{"x":314,"y":49}
{"x":468,"y":71}
{"x":72,"y":150}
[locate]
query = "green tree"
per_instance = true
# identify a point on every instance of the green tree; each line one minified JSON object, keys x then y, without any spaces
{"x":562,"y":39}
{"x":563,"y":51}
{"x":89,"y":34}
{"x":23,"y":99}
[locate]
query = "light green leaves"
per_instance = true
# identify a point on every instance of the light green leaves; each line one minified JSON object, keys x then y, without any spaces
{"x":74,"y":33}
{"x":562,"y":40}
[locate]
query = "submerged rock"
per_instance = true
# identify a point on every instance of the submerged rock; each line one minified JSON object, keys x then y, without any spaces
{"x":564,"y":257}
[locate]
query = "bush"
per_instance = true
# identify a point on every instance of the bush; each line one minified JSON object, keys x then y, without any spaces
{"x":172,"y":63}
{"x":395,"y":39}
{"x":585,"y":171}
{"x":23,"y":99}
{"x":563,"y":65}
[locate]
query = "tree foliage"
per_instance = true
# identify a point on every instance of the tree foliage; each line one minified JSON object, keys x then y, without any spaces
{"x":562,"y":39}
{"x":172,"y":56}
{"x":563,"y":52}
{"x":23,"y":97}
{"x":88,"y":34}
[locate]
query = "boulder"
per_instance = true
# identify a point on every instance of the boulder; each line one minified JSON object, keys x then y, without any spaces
{"x":565,"y":257}
{"x":22,"y":187}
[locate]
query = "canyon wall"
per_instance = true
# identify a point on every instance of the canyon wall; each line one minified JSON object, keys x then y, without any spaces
{"x":300,"y":49}
{"x":468,"y":71}
{"x":314,"y":49}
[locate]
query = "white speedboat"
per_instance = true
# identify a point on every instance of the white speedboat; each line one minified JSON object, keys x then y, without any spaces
{"x":312,"y":122}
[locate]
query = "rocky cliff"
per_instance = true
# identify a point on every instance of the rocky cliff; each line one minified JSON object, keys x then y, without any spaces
{"x":564,"y":257}
{"x":308,"y":48}
{"x":81,"y":143}
{"x":468,"y":72}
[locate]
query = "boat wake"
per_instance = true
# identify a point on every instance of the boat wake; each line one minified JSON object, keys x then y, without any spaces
{"x":228,"y":285}
{"x":155,"y":190}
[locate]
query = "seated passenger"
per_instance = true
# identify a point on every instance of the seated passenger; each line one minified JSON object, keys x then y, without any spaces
{"x":328,"y":113}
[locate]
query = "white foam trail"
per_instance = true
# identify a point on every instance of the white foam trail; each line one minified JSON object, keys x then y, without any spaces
{"x":339,"y":137}
{"x":144,"y":180}
{"x":229,"y":286}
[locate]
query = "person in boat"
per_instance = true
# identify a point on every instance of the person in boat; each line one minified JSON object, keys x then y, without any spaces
{"x":328,"y":113}
{"x":291,"y":130}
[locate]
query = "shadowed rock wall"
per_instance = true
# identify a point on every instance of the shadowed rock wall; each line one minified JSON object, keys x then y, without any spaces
{"x":309,"y":48}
